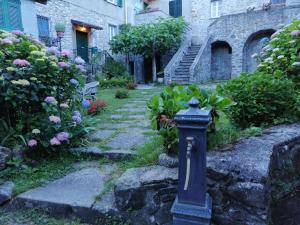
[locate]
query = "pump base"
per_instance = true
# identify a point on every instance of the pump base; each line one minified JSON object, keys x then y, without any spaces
{"x":187,"y":214}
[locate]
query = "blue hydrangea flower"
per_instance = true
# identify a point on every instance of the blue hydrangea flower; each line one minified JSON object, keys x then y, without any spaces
{"x":86,"y":104}
{"x":77,"y":119}
{"x":74,"y":82}
{"x":76,"y":113}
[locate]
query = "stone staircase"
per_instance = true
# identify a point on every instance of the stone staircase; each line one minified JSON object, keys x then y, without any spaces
{"x":182,"y":72}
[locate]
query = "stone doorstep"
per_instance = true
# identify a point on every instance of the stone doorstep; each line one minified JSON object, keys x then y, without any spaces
{"x":72,"y":195}
{"x":111,"y":154}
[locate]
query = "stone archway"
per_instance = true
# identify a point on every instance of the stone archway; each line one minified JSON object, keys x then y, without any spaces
{"x":254,"y":45}
{"x":221,"y":60}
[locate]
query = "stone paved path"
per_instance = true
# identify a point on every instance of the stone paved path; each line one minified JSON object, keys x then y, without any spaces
{"x":128,"y":128}
{"x":77,"y":194}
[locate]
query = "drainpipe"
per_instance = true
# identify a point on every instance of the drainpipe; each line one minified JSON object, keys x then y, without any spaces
{"x":126,"y":11}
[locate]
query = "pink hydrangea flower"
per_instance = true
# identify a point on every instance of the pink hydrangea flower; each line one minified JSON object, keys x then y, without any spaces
{"x":63,"y":64}
{"x":6,"y":41}
{"x":63,"y":136}
{"x":53,"y":51}
{"x":55,"y":141}
{"x":295,"y":33}
{"x":81,"y":68}
{"x":21,"y":62}
{"x":67,"y":53}
{"x":79,"y":60}
{"x":54,"y":119}
{"x":17,"y":32}
{"x":32,"y":143}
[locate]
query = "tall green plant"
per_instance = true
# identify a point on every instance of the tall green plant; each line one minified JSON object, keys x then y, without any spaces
{"x":164,"y":107}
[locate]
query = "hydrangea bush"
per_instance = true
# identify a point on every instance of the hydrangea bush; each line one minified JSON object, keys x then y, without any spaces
{"x":38,"y":89}
{"x":282,"y":54}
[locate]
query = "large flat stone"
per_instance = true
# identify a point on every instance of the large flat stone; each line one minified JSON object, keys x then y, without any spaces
{"x":134,"y":110}
{"x":254,"y":152}
{"x":111,"y":154}
{"x":100,"y":135}
{"x":6,"y":190}
{"x":128,"y":140}
{"x":114,"y":125}
{"x":137,"y":117}
{"x":75,"y":191}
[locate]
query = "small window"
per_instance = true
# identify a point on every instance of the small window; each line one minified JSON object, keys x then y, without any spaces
{"x":113,"y":30}
{"x":278,"y":1}
{"x":215,"y":9}
{"x":43,"y":26}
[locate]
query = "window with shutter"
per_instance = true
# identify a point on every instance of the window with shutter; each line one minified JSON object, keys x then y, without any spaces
{"x":43,"y":26}
{"x":215,"y":9}
{"x":120,"y":3}
{"x":10,"y":15}
{"x":172,"y":6}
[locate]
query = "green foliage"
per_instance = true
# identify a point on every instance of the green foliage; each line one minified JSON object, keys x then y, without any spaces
{"x":29,"y":74}
{"x":164,"y":107}
{"x":121,"y":94}
{"x":114,"y":82}
{"x":131,"y":86}
{"x":282,"y":54}
{"x":260,"y":98}
{"x":150,"y":39}
{"x":114,"y":69}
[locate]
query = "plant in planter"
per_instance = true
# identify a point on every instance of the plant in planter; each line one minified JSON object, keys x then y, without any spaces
{"x":60,"y":29}
{"x":164,"y":107}
{"x":160,"y":77}
{"x":121,"y":94}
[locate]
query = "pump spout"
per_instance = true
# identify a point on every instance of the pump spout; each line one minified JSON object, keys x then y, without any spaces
{"x":190,"y":145}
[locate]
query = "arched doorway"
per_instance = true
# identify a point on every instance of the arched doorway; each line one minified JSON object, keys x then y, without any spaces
{"x":254,"y":45}
{"x":221,"y":60}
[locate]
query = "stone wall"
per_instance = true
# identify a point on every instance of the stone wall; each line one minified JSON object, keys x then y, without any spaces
{"x":98,"y":13}
{"x":238,"y":181}
{"x":239,"y":30}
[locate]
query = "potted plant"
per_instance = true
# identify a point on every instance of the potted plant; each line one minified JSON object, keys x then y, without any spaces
{"x":60,"y":29}
{"x":160,"y":77}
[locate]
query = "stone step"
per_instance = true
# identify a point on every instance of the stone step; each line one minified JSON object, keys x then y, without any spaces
{"x":116,"y":154}
{"x":72,"y":196}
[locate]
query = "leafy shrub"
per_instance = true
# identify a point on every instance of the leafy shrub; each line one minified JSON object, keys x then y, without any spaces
{"x":114,"y":82}
{"x":164,"y":107}
{"x":131,"y":86}
{"x":37,"y":89}
{"x":260,"y":98}
{"x":97,"y":106}
{"x":281,"y":55}
{"x":121,"y":94}
{"x":114,"y":69}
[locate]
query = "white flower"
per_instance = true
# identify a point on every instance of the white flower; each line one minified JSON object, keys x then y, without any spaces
{"x":296,"y":64}
{"x":254,"y":55}
{"x":276,"y":49}
{"x":280,"y":57}
{"x":36,"y":131}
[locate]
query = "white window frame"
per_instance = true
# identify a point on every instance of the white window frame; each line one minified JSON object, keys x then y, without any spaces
{"x":115,"y":2}
{"x":215,"y":9}
{"x":112,"y":31}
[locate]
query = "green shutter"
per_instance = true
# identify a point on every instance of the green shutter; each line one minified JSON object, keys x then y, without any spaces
{"x":2,"y":15}
{"x":120,"y":3}
{"x":14,"y":15}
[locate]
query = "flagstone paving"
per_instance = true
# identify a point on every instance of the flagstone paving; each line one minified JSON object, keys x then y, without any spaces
{"x":77,"y":194}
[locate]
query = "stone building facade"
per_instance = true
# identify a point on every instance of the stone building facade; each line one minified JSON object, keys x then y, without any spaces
{"x":229,"y":32}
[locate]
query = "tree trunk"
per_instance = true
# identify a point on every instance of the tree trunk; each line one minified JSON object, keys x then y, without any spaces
{"x":154,"y":72}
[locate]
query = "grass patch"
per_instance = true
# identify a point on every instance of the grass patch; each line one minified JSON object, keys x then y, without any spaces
{"x":146,"y":155}
{"x":53,"y":167}
{"x":33,"y":217}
